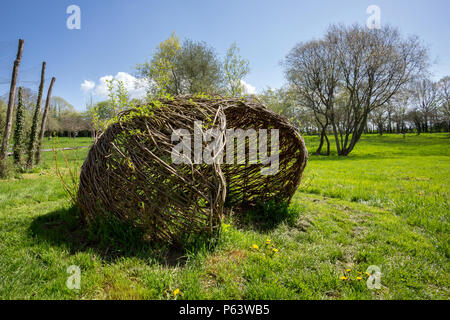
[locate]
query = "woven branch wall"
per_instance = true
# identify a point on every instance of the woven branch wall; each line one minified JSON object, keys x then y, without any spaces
{"x":129,"y":173}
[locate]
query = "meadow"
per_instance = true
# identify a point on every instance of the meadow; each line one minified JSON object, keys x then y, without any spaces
{"x":386,"y":204}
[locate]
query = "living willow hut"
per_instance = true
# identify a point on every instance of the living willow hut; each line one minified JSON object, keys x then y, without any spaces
{"x":131,"y":174}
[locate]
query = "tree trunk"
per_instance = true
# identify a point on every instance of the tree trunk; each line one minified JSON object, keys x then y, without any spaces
{"x":356,"y":135}
{"x":10,"y":112}
{"x":380,"y":129}
{"x":336,"y":137}
{"x":319,"y":149}
{"x":44,"y":119}
{"x":389,"y":122}
{"x":328,"y":144}
{"x":33,"y":136}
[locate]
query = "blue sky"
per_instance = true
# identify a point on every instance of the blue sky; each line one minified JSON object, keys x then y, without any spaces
{"x":115,"y":35}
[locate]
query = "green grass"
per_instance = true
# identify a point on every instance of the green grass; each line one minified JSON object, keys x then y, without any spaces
{"x":66,"y":142}
{"x":386,"y":205}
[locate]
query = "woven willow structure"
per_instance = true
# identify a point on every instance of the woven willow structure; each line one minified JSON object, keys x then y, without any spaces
{"x":129,"y":173}
{"x":246,"y":185}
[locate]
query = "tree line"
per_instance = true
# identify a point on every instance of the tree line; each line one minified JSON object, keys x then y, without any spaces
{"x":63,"y":119}
{"x":352,"y":80}
{"x":356,"y":80}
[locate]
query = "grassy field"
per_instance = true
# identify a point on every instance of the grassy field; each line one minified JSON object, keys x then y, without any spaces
{"x":387,"y":204}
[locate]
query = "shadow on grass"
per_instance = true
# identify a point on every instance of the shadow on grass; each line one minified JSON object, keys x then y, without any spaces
{"x":267,"y":216}
{"x":64,"y":227}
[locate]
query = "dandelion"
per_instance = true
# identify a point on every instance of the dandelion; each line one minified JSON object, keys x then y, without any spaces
{"x":267,"y":241}
{"x":275,"y":250}
{"x":367,"y":274}
{"x":348,"y":270}
{"x":343,"y":278}
{"x":176,"y":292}
{"x":358,"y":278}
{"x":255,"y":246}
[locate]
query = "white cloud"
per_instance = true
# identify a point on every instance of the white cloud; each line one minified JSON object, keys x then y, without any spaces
{"x":136,"y":87}
{"x":87,"y":86}
{"x":248,"y":88}
{"x":101,"y":89}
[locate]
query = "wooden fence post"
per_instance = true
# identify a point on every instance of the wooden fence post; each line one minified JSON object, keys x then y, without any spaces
{"x":9,"y":113}
{"x":33,"y":134}
{"x":44,"y":119}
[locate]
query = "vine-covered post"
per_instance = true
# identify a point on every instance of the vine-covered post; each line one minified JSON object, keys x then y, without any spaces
{"x":10,"y":112}
{"x":18,"y":131}
{"x":44,"y":120}
{"x":33,"y":135}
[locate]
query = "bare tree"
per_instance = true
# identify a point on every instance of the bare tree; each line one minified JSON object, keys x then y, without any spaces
{"x":444,"y":100}
{"x":354,"y":71}
{"x":311,"y":68}
{"x":375,"y":65}
{"x":400,"y":103}
{"x":9,"y":112}
{"x":379,"y":118}
{"x":425,"y":97}
{"x":415,"y":117}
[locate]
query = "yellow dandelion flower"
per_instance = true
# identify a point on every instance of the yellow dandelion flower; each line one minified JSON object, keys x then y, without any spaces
{"x":348,"y":270}
{"x":268,"y":241}
{"x":343,"y":278}
{"x":176,"y":292}
{"x":255,"y":246}
{"x":358,"y":278}
{"x":275,"y":250}
{"x":367,"y":274}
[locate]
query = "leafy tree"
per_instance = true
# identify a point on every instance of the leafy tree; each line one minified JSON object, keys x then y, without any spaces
{"x":161,"y":72}
{"x":235,"y":69}
{"x":199,"y":68}
{"x":59,"y":105}
{"x":73,"y":122}
{"x":174,"y":69}
{"x":103,"y":112}
{"x":284,"y":101}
